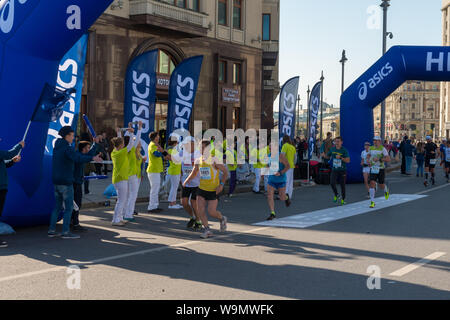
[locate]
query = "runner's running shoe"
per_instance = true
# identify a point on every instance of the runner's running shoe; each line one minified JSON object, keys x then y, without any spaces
{"x":190,"y":224}
{"x":223,"y":224}
{"x":335,"y":199}
{"x":206,"y":234}
{"x":288,"y":201}
{"x":343,"y":203}
{"x":372,"y":204}
{"x":272,"y":216}
{"x":386,"y":193}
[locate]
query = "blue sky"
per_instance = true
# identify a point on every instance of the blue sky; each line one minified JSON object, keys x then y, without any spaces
{"x":314,"y":32}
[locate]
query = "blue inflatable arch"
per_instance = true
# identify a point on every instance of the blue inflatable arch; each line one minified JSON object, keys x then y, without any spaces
{"x":399,"y":64}
{"x":34,"y":37}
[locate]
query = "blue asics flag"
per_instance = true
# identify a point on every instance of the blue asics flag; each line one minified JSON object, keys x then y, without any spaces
{"x":51,"y":103}
{"x":140,"y":94}
{"x":314,"y":106}
{"x":183,"y":88}
{"x":287,"y":114}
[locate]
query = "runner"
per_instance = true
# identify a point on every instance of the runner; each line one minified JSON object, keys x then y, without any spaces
{"x":378,"y":156}
{"x":187,"y":157}
{"x":277,"y":181}
{"x":431,"y":157}
{"x":447,"y":160}
{"x":209,"y":168}
{"x":289,"y":151}
{"x":366,"y":166}
{"x":339,"y":157}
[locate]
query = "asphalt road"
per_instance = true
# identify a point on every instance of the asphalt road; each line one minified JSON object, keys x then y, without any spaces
{"x":156,"y":258}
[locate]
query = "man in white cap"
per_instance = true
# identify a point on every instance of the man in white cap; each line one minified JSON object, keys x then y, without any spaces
{"x":377,"y":157}
{"x":431,"y":157}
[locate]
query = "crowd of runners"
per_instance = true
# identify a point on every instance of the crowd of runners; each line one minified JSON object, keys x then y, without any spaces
{"x":202,"y":168}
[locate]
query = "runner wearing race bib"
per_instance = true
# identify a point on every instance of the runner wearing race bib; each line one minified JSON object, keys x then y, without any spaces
{"x":365,"y":164}
{"x":377,"y":156}
{"x":208,"y":168}
{"x":432,"y":154}
{"x":187,"y":157}
{"x":339,"y":158}
{"x":447,"y":160}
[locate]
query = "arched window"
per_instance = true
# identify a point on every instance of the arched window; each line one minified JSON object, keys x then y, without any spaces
{"x":165,"y":63}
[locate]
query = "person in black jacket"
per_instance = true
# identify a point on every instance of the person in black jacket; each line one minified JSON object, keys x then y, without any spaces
{"x":7,"y":160}
{"x":64,"y":159}
{"x":84,"y":148}
{"x":402,"y":151}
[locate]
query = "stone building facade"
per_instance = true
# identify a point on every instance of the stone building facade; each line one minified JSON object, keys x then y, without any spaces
{"x":239,"y":78}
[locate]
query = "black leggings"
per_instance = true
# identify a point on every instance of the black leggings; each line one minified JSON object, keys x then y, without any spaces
{"x":2,"y":200}
{"x":342,"y":176}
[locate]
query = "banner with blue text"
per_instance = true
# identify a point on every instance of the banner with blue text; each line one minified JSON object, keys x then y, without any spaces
{"x":182,"y":91}
{"x":287,"y":114}
{"x":314,"y":106}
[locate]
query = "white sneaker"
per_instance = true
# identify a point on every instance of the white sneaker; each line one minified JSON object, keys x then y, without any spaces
{"x":223,"y":224}
{"x":119,"y":224}
{"x":176,"y":207}
{"x":206,"y":234}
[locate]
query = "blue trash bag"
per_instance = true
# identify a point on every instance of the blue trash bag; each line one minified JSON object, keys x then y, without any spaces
{"x":110,"y":191}
{"x":6,"y":229}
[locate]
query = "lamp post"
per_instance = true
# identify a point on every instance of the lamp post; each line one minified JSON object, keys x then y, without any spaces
{"x":385,"y":5}
{"x":343,"y":61}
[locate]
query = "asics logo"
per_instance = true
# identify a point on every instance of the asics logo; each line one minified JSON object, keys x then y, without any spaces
{"x":374,"y":81}
{"x":7,"y":15}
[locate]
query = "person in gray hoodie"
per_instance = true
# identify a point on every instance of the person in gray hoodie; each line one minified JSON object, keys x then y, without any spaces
{"x":64,"y":159}
{"x":7,"y":160}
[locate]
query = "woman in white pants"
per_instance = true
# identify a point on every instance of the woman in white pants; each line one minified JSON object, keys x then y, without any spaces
{"x":120,"y":159}
{"x":173,"y":175}
{"x":154,"y":170}
{"x":134,"y":181}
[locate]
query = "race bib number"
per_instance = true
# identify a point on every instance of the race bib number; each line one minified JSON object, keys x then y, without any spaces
{"x":187,"y":170}
{"x":375,"y":169}
{"x":433,"y":162}
{"x":337,"y":163}
{"x":205,"y":173}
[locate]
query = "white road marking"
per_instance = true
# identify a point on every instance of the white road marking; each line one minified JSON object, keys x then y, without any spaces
{"x":310,"y":219}
{"x":401,"y":272}
{"x":121,"y":256}
{"x":434,"y":189}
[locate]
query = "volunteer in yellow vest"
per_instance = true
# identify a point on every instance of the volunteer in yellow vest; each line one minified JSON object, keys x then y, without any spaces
{"x":210,"y":186}
{"x":255,"y":153}
{"x":231,"y":160}
{"x":173,"y":175}
{"x":120,"y":159}
{"x":135,"y":173}
{"x":154,"y":170}
{"x":289,"y":151}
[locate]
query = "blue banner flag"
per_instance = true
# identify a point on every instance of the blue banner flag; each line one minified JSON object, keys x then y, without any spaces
{"x":287,"y":114}
{"x":70,"y":78}
{"x":182,"y":91}
{"x":89,"y":125}
{"x":314,"y":106}
{"x":140,"y":94}
{"x":51,"y":103}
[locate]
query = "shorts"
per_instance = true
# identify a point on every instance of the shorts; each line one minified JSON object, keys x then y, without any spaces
{"x":207,"y":195}
{"x":378,"y":177}
{"x":366,"y":170}
{"x":428,"y":164}
{"x":277,"y":185}
{"x":447,"y":164}
{"x":189,"y":192}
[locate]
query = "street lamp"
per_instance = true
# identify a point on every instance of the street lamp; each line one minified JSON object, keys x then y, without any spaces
{"x":343,"y":61}
{"x":385,"y":5}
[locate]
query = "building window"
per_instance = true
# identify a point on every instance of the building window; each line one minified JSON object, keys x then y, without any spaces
{"x":237,"y":14}
{"x":165,"y":63}
{"x":223,"y":8}
{"x":237,"y":74}
{"x":413,"y":115}
{"x":413,"y":105}
{"x":266,"y":27}
{"x":178,"y":3}
{"x":222,"y":71}
{"x":196,"y":5}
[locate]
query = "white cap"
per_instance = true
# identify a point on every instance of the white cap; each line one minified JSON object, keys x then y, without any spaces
{"x":428,"y":138}
{"x":377,"y":138}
